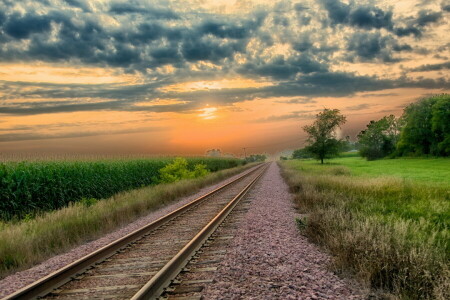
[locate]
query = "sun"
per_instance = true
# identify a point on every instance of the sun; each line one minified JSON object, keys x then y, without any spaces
{"x":208,"y":113}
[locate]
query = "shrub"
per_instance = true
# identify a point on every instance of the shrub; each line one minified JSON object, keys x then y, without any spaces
{"x":178,"y":170}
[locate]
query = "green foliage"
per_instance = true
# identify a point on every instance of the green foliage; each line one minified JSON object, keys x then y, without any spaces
{"x":380,"y":138}
{"x":88,"y":201}
{"x":302,"y":223}
{"x":33,"y":187}
{"x":301,"y":153}
{"x":321,"y":134}
{"x":178,"y":170}
{"x":392,"y":232}
{"x":426,"y":130}
{"x":256,"y":158}
{"x":440,"y":125}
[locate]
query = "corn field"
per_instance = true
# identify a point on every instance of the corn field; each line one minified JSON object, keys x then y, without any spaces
{"x":28,"y":188}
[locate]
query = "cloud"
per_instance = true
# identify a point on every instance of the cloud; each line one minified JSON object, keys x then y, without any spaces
{"x":366,"y":16}
{"x":299,"y":48}
{"x":361,"y":106}
{"x":298,"y":115}
{"x":280,"y":68}
{"x":426,"y":17}
{"x":124,"y":8}
{"x":432,"y":67}
{"x":298,"y":101}
{"x":21,"y":27}
{"x":10,"y":137}
{"x":367,"y":46}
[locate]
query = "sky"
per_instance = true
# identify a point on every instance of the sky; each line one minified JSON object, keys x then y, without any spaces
{"x":181,"y":77}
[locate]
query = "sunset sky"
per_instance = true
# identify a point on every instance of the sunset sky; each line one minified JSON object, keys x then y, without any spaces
{"x":182,"y":77}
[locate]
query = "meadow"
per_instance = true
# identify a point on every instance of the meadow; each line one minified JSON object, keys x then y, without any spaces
{"x":26,"y":242}
{"x":385,"y":221}
{"x":29,"y":188}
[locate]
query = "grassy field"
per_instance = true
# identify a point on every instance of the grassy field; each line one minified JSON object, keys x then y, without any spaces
{"x":27,"y":242}
{"x":422,"y":170}
{"x":28,"y":188}
{"x":386,"y":221}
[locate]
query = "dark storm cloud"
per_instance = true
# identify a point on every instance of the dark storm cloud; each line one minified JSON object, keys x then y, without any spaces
{"x":137,"y":37}
{"x":21,"y":27}
{"x":158,"y":13}
{"x":445,"y":7}
{"x":280,"y":68}
{"x":359,"y":16}
{"x":367,"y":46}
{"x":372,"y":17}
{"x":432,"y":67}
{"x":231,"y":30}
{"x":135,"y":47}
{"x":80,"y":4}
{"x":415,"y":26}
{"x":426,"y":17}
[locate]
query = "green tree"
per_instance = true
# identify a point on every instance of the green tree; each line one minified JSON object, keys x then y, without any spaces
{"x":301,"y":153}
{"x":322,"y":134}
{"x":256,"y":157}
{"x":380,"y":138}
{"x":426,"y":129}
{"x":440,"y":125}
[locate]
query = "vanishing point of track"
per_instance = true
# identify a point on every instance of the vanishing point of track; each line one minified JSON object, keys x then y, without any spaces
{"x":143,"y":263}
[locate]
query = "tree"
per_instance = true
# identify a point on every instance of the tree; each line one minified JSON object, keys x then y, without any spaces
{"x":322,"y":134}
{"x":426,"y":130}
{"x":301,"y":153}
{"x":440,"y":125}
{"x":380,"y":138}
{"x":256,"y":157}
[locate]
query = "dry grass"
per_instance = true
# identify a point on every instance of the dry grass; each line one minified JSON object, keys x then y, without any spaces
{"x":29,"y":242}
{"x":391,"y":233}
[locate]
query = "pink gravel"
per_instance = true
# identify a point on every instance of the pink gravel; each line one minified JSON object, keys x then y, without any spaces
{"x":20,"y":279}
{"x":270,"y":259}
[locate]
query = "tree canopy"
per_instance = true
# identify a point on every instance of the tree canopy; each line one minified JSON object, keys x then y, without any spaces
{"x":380,"y":138}
{"x":322,"y":134}
{"x":426,"y":127}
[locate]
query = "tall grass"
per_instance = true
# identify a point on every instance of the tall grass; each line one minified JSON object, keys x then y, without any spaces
{"x":392,"y":233}
{"x":33,"y":187}
{"x":28,"y":242}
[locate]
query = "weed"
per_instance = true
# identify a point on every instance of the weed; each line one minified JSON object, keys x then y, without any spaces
{"x":392,"y":233}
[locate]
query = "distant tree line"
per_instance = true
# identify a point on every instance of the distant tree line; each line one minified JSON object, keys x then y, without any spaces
{"x":255,"y":158}
{"x":423,"y":129}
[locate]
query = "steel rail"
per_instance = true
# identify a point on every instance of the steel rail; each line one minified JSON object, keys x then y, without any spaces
{"x":155,"y":287}
{"x":61,"y":276}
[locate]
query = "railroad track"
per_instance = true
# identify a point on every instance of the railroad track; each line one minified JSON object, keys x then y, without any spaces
{"x":144,"y":263}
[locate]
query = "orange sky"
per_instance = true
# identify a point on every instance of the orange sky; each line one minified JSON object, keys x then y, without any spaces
{"x":99,"y":77}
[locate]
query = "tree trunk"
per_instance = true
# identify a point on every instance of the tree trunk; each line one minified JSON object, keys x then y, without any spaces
{"x":321,"y":160}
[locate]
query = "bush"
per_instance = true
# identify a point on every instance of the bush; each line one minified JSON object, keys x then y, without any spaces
{"x":178,"y":170}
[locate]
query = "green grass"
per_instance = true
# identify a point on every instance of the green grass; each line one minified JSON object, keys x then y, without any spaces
{"x":28,"y":188}
{"x":29,"y":241}
{"x":386,"y":221}
{"x":422,"y":170}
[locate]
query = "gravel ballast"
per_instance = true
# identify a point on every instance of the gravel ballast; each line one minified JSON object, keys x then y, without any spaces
{"x":21,"y":279}
{"x":270,"y":259}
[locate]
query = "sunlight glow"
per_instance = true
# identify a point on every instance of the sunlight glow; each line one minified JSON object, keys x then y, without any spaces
{"x":208,"y":113}
{"x":214,"y":85}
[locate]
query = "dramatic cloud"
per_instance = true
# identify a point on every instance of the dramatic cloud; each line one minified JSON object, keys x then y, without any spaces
{"x":177,"y":57}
